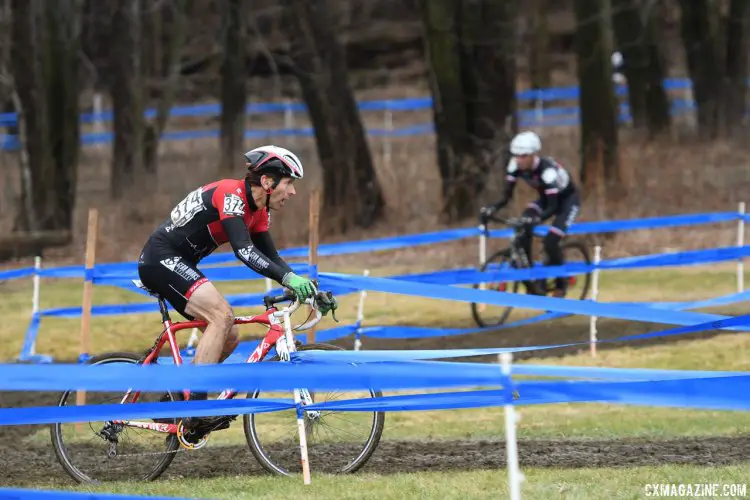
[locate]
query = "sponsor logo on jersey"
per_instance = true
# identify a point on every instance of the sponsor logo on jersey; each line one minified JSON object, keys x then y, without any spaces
{"x":253,"y":258}
{"x":178,"y":267}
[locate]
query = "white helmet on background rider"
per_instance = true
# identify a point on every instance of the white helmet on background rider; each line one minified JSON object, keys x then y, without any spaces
{"x":525,"y":143}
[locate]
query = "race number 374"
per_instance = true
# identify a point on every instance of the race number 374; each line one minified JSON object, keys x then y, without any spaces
{"x":697,"y":490}
{"x":187,"y":208}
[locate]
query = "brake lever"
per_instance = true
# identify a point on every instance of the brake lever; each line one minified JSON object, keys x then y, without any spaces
{"x":327,"y":297}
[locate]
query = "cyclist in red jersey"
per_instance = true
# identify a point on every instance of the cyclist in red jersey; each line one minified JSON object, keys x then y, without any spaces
{"x":236,"y":211}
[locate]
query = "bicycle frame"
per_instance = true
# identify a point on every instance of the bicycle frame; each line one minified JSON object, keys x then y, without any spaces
{"x":278,"y":335}
{"x":517,"y":252}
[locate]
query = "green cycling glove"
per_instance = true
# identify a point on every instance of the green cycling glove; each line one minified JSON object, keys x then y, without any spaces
{"x":302,"y":287}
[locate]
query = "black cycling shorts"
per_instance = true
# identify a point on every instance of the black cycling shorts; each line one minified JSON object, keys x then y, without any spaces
{"x":567,"y":211}
{"x":166,"y":273}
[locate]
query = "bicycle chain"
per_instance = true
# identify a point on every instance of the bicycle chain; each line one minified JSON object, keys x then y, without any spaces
{"x":152,"y":453}
{"x":155,"y":452}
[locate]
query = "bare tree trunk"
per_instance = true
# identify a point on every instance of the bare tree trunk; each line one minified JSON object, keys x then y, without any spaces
{"x":539,"y":49}
{"x":449,"y":100}
{"x":470,"y":46}
{"x":62,"y":66}
{"x":28,"y":80}
{"x":702,"y":53}
{"x":649,"y":106}
{"x":233,"y":76}
{"x":44,"y":59}
{"x":154,"y":129}
{"x":735,"y":100}
{"x":657,"y":101}
{"x":127,"y":96}
{"x":489,"y":80}
{"x":95,"y":39}
{"x":599,"y":140}
{"x":352,"y":193}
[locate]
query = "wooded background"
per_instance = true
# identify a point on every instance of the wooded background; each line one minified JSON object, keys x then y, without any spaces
{"x":471,"y":56}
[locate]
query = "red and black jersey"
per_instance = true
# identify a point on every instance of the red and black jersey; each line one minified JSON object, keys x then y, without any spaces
{"x":218,"y":213}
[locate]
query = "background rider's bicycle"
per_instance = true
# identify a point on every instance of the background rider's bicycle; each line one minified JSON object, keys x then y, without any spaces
{"x":143,"y":449}
{"x":514,"y":256}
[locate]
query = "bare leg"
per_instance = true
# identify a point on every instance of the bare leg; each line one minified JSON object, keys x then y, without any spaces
{"x":207,"y":303}
{"x":233,"y":340}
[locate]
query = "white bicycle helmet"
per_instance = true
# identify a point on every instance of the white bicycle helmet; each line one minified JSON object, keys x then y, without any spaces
{"x":268,"y":159}
{"x":525,"y":143}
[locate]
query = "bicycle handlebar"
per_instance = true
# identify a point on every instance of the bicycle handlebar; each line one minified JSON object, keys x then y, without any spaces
{"x":508,"y":221}
{"x":320,"y":297}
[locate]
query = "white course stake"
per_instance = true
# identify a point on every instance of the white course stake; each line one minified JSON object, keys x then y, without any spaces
{"x":360,"y":314}
{"x":387,"y":144}
{"x":98,"y":121}
{"x":300,"y":415}
{"x":594,"y":296}
{"x":193,"y":338}
{"x":482,"y":258}
{"x":35,"y":294}
{"x":741,"y":243}
{"x":302,"y":438}
{"x":514,"y":474}
{"x":289,"y":121}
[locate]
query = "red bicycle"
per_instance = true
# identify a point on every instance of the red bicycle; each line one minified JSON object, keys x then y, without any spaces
{"x":143,"y":449}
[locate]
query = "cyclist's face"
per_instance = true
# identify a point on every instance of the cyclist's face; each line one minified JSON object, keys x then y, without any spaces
{"x":281,"y":193}
{"x":525,"y":162}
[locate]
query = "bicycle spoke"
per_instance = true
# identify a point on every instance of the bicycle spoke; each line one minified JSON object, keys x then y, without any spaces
{"x":105,"y":451}
{"x":337,"y":441}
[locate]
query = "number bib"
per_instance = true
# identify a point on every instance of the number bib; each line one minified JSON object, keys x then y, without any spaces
{"x":188,"y":208}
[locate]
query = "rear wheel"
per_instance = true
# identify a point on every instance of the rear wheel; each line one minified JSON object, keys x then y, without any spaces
{"x":93,"y":452}
{"x":488,"y":314}
{"x":337,"y":441}
{"x":578,"y":285}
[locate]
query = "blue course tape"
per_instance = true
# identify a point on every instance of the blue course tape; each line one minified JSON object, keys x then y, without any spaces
{"x":31,"y":333}
{"x":26,"y":494}
{"x":714,"y":393}
{"x":586,"y":308}
{"x":717,"y":393}
{"x":404,"y":104}
{"x":16,"y":273}
{"x":419,"y":354}
{"x":247,"y":376}
{"x":128,"y":270}
{"x":416,"y":332}
{"x":101,"y":412}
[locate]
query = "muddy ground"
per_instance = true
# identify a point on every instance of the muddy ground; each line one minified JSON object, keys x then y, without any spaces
{"x":32,"y":465}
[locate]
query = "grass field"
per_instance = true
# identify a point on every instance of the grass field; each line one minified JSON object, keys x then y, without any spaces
{"x":611,"y":425}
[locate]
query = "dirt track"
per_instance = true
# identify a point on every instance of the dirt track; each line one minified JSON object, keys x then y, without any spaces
{"x":35,"y":466}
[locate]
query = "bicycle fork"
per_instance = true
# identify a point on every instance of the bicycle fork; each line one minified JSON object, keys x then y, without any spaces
{"x":284,"y":347}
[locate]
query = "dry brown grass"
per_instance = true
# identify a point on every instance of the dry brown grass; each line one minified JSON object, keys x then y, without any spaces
{"x":671,"y":176}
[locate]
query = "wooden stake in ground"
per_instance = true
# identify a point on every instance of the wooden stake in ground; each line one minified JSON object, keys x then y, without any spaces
{"x":312,"y":256}
{"x":88,"y":290}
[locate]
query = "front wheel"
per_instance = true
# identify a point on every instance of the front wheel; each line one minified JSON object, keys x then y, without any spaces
{"x":94,"y":452}
{"x":337,"y":441}
{"x":490,"y":315}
